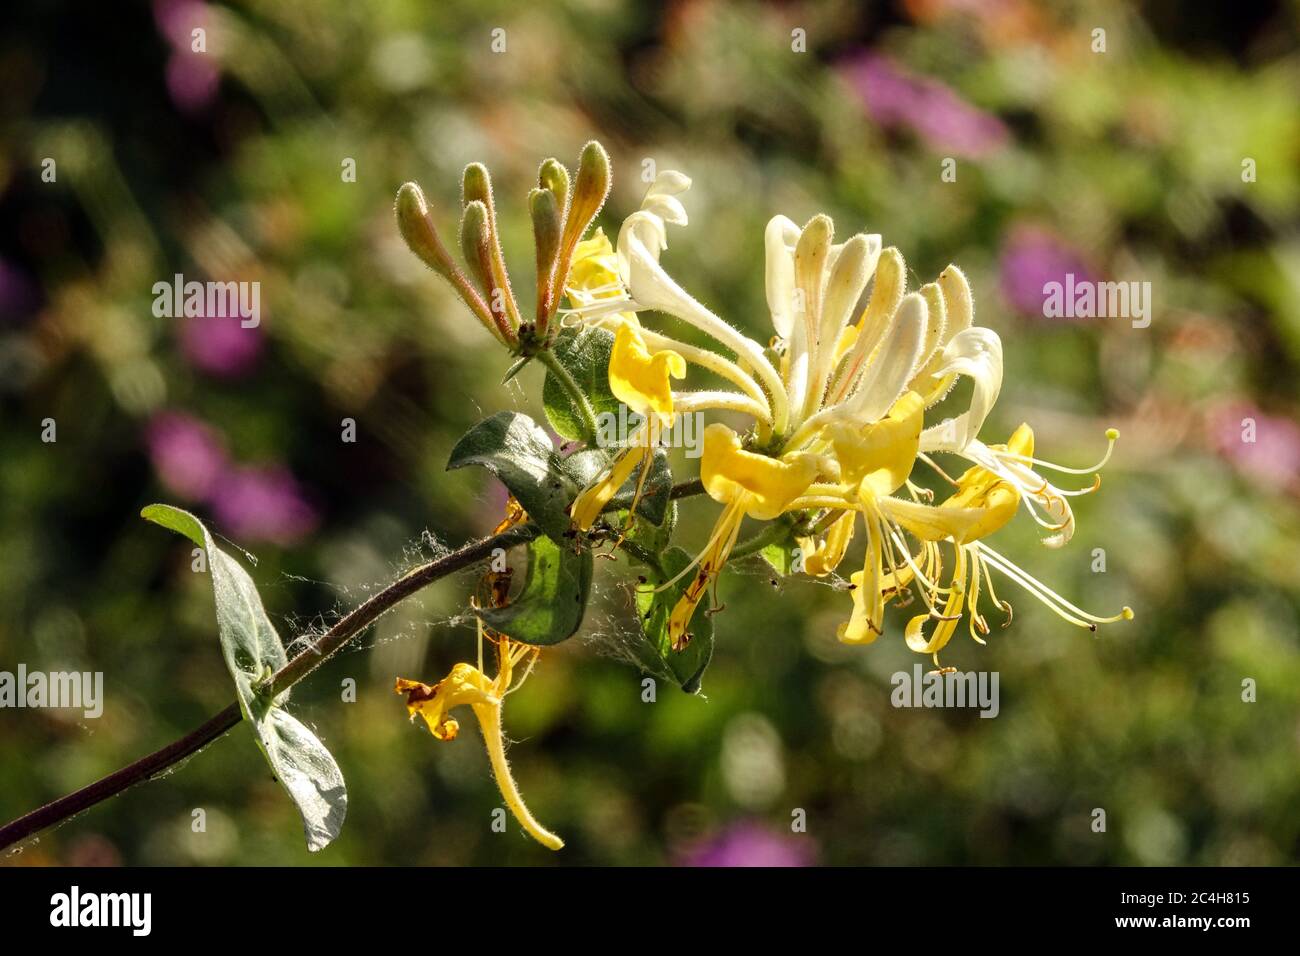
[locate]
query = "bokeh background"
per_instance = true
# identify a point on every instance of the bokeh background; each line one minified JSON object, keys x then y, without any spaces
{"x":228,"y":164}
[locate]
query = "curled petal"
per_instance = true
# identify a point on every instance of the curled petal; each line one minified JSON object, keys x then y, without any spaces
{"x":975,"y":352}
{"x":881,"y":453}
{"x":824,"y":556}
{"x":962,"y":520}
{"x":661,"y":198}
{"x":764,"y":485}
{"x":639,"y":378}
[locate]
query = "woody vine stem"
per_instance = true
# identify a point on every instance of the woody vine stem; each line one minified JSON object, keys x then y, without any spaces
{"x":343,"y":631}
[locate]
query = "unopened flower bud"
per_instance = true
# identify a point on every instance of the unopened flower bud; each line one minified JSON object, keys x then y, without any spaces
{"x":475,"y":245}
{"x":546,"y":228}
{"x":589,"y":192}
{"x":554,"y":177}
{"x":476,"y":184}
{"x":418,"y":231}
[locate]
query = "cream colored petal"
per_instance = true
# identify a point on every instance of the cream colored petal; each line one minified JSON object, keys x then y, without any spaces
{"x":975,"y":352}
{"x":891,"y":366}
{"x":889,"y":282}
{"x":779,"y":240}
{"x":652,"y":288}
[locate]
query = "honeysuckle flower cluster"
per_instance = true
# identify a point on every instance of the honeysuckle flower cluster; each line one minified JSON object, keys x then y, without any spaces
{"x":837,"y":402}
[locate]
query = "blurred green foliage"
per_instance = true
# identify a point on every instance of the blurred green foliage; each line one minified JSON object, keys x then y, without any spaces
{"x":230,"y":164}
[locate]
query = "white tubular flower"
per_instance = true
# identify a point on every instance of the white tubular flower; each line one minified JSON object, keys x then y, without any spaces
{"x":832,"y":368}
{"x":641,"y":239}
{"x":813,"y":287}
{"x":897,"y":345}
{"x":600,"y":278}
{"x":975,"y":352}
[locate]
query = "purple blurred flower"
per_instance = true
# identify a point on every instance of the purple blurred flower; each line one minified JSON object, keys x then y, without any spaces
{"x":220,"y":345}
{"x":263,"y":504}
{"x":750,"y":844}
{"x":1032,"y":257}
{"x":192,"y":77}
{"x":1273,"y":457}
{"x":176,"y":18}
{"x":188,"y":455}
{"x":894,"y":97}
{"x":19,"y":295}
{"x":192,"y":81}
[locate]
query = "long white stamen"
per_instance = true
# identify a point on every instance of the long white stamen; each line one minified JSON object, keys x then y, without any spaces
{"x":1004,"y":606}
{"x":1049,"y":597}
{"x":920,"y":575}
{"x":1112,"y":435}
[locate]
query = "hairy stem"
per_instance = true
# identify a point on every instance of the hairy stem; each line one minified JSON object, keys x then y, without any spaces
{"x":772,"y":532}
{"x":576,"y":394}
{"x":364,"y":614}
{"x":299,"y":667}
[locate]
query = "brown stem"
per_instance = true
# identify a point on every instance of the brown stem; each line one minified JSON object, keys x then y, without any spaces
{"x":303,"y":664}
{"x":116,"y":782}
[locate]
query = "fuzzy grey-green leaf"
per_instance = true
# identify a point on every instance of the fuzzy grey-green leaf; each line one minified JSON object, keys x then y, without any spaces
{"x":252,"y":650}
{"x":585,"y":354}
{"x":519,"y":452}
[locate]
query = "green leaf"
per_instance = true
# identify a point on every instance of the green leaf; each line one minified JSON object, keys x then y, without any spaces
{"x":252,"y":649}
{"x":686,"y":666}
{"x":519,"y":452}
{"x":550,"y":606}
{"x":653,"y":538}
{"x":585,"y":353}
{"x":585,"y":465}
{"x":780,"y":555}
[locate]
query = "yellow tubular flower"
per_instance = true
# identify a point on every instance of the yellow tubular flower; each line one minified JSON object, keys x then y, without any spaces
{"x":823,"y":557}
{"x":874,"y":460}
{"x":765,"y":486}
{"x":840,"y":418}
{"x":983,"y":504}
{"x":880,"y":453}
{"x":746,"y":484}
{"x":986,"y":499}
{"x":593,"y":278}
{"x":639,"y":379}
{"x":466,"y":684}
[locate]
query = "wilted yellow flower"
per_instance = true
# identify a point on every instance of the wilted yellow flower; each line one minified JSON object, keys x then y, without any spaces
{"x":468,"y":685}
